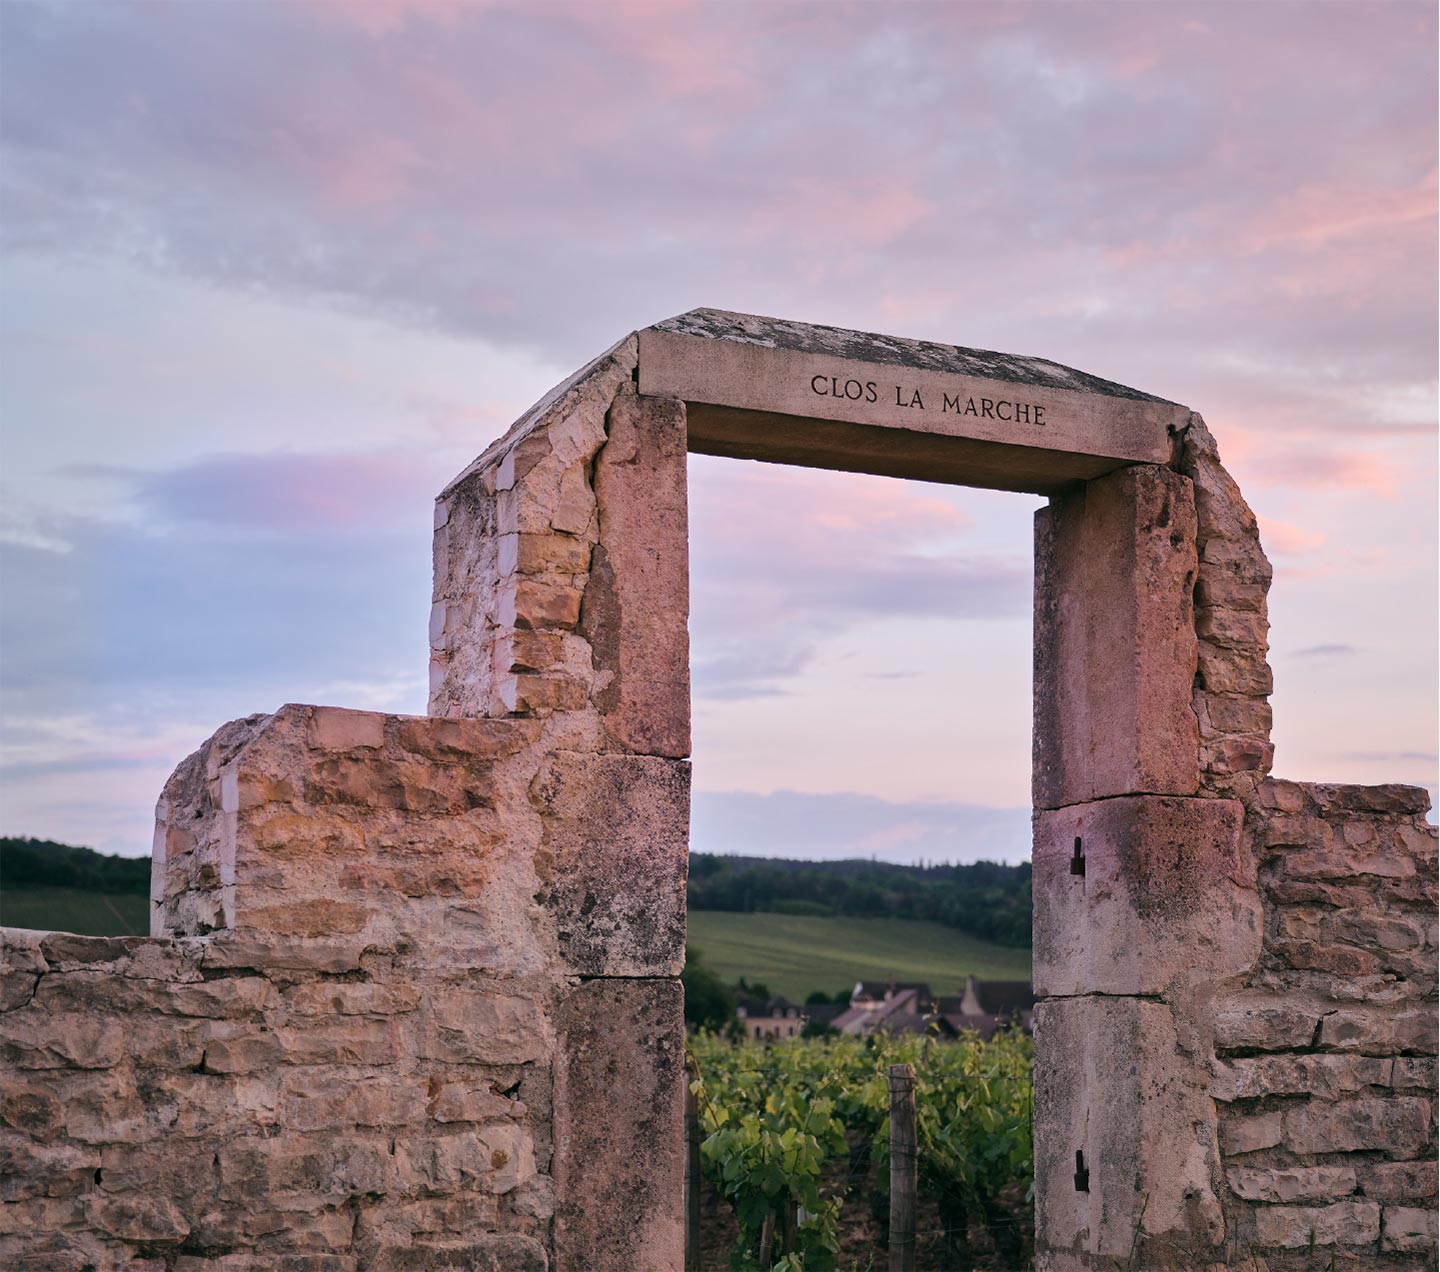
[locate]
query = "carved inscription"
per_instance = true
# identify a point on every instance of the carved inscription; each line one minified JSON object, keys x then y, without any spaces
{"x":911,"y":399}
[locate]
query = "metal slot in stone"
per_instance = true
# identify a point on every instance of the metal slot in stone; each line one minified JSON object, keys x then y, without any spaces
{"x":1077,"y":862}
{"x":1082,"y":1175}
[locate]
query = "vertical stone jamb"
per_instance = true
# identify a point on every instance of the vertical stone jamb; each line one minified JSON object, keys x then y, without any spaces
{"x":636,"y":606}
{"x":1140,"y":903}
{"x":1115,"y":641}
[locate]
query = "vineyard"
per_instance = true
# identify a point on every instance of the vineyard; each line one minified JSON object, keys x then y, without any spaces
{"x":794,"y":1145}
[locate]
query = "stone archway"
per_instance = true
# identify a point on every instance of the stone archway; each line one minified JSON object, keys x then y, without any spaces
{"x":1184,"y":1028}
{"x":412,"y":997}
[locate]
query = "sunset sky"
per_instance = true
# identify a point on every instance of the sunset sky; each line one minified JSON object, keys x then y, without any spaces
{"x":273,"y":272}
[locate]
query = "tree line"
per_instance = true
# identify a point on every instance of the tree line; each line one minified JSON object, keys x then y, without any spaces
{"x":42,"y":863}
{"x":983,"y":898}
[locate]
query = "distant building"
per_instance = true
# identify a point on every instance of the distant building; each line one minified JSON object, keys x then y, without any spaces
{"x":888,"y":1007}
{"x":774,"y":1017}
{"x":1010,"y":1002}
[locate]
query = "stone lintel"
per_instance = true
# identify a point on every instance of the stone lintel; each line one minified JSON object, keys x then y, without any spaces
{"x":757,"y":388}
{"x":1139,"y":894}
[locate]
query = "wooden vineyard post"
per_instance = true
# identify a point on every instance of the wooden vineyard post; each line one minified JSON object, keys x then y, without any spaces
{"x":903,"y":1168}
{"x":692,"y":1173}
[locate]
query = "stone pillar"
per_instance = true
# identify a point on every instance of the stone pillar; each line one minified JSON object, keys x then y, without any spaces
{"x":1140,"y":895}
{"x":562,"y":599}
{"x":1115,"y":646}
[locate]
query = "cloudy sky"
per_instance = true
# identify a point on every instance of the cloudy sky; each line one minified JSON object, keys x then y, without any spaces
{"x":273,"y":271}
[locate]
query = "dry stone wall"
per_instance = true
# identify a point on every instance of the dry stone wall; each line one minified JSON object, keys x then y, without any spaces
{"x":368,"y":1043}
{"x":412,"y":998}
{"x":1236,"y":1039}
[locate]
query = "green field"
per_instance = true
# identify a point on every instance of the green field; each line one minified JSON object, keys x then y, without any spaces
{"x":794,"y":954}
{"x":71,"y":910}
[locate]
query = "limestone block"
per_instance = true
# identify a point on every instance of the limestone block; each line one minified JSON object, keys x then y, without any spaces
{"x":621,"y":1050}
{"x":1319,"y":1076}
{"x":1292,"y":1183}
{"x":637,"y":601}
{"x":1250,"y":1134}
{"x":1160,"y":899}
{"x":28,"y":1169}
{"x":1410,"y":1228}
{"x":1399,"y":1127}
{"x":136,"y":1218}
{"x":1401,"y":1181}
{"x":62,"y":1252}
{"x":313,"y":1100}
{"x":1413,"y":1071}
{"x":35,"y":1039}
{"x":319,"y":1166}
{"x":1115,"y":645}
{"x":1344,"y":1223}
{"x":613,"y":861}
{"x":1264,"y":1023}
{"x":1379,"y":1031}
{"x":506,"y":1252}
{"x":1112,"y":1086}
{"x":470,"y":1023}
{"x":31,"y":1110}
{"x":495,"y":1159}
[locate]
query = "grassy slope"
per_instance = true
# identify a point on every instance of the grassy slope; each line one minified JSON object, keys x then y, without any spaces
{"x":794,"y":955}
{"x":71,"y":910}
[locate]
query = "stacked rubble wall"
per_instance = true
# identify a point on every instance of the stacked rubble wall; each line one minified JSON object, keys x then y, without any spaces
{"x":1236,"y":1035}
{"x":412,"y":999}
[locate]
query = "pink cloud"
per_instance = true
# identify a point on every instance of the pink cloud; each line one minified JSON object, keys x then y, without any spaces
{"x":1284,"y":539}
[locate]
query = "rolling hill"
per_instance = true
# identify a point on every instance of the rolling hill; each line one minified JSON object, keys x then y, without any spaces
{"x":796,"y":954}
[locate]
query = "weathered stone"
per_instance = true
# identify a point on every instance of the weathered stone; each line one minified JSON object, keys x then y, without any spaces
{"x":1345,"y":1223}
{"x":1114,"y":641}
{"x":468,"y":1024}
{"x":1292,"y":1184}
{"x":1410,"y":1228}
{"x":468,"y":1101}
{"x":1323,"y":1077}
{"x":613,"y":861}
{"x":136,"y":1218}
{"x":1146,"y":1118}
{"x":1251,"y":1134}
{"x":36,"y":1039}
{"x":28,"y":1169}
{"x":1233,"y":671}
{"x":543,"y":554}
{"x":1398,"y":1126}
{"x":637,"y":601}
{"x":535,"y":606}
{"x":32,"y":1111}
{"x":320,"y":1167}
{"x":312,"y":1101}
{"x":1264,"y":1024}
{"x":351,"y":998}
{"x":343,"y":1040}
{"x":1159,"y":901}
{"x":495,"y":1159}
{"x":336,"y":729}
{"x":1379,"y":1032}
{"x":628,"y":1163}
{"x":1413,"y":1072}
{"x":541,"y":693}
{"x":509,"y":1252}
{"x":1400,"y":1181}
